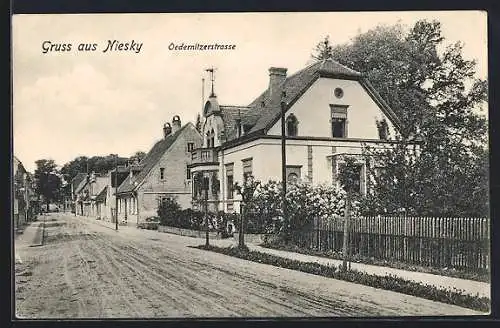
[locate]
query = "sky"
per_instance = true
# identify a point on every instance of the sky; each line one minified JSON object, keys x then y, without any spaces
{"x":76,"y":103}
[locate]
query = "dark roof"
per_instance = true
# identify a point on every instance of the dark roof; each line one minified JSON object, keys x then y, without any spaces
{"x":262,"y":114}
{"x":148,"y":162}
{"x":102,"y":195}
{"x":78,"y":178}
{"x":230,"y":114}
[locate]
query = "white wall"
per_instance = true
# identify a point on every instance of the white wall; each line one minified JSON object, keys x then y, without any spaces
{"x":212,"y":122}
{"x":313,"y":110}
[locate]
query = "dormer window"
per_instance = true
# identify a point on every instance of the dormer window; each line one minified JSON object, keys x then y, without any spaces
{"x":292,"y":125}
{"x":339,"y":121}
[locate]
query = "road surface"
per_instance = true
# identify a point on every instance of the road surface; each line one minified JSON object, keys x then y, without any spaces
{"x":88,"y":270}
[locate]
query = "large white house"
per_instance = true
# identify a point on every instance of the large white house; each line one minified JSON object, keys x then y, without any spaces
{"x":331,"y":110}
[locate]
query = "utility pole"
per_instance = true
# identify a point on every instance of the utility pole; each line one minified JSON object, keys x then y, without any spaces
{"x":116,"y":192}
{"x":283,"y":166}
{"x":241,"y":233}
{"x":347,"y":219}
{"x":205,"y":187}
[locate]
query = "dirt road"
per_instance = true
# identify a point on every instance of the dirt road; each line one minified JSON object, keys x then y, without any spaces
{"x":87,"y":270}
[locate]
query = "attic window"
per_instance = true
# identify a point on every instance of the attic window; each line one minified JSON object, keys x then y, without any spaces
{"x":338,"y":92}
{"x":339,"y":121}
{"x":292,"y":125}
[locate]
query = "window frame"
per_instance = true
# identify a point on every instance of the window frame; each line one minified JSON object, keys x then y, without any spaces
{"x":339,"y":114}
{"x":162,"y":173}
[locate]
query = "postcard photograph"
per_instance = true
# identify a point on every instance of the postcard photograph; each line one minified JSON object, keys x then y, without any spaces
{"x":250,"y":165}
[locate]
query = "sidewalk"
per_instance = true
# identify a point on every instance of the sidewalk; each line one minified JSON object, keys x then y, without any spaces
{"x":468,"y":286}
{"x":30,"y":237}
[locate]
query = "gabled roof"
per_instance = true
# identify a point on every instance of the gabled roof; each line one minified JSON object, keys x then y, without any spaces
{"x":102,"y":195}
{"x":265,"y":114}
{"x":148,"y":162}
{"x":82,"y":184}
{"x":77,"y":179}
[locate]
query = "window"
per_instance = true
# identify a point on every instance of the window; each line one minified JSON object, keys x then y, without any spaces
{"x":293,"y":173}
{"x":190,"y":146}
{"x":292,"y":178}
{"x":162,"y":173}
{"x":339,"y":93}
{"x":247,"y":168}
{"x":292,"y":126}
{"x":188,"y":173}
{"x":212,"y":138}
{"x":339,"y":121}
{"x":338,"y":128}
{"x":208,"y":140}
{"x":230,"y":181}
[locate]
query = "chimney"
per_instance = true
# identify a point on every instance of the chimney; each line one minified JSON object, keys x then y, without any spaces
{"x":176,"y":123}
{"x":167,"y":130}
{"x":277,"y":76}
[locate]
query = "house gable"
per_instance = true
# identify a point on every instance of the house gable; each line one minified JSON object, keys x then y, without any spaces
{"x":174,"y":161}
{"x":313,"y":110}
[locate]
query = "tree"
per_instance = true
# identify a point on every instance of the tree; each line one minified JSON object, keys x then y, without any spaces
{"x":97,"y":164}
{"x":347,"y":176}
{"x":247,"y":192}
{"x":323,"y":50}
{"x":138,"y":156}
{"x":48,"y":182}
{"x":438,"y":101}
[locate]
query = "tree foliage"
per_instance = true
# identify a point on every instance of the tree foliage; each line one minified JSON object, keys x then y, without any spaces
{"x":433,"y":90}
{"x":137,"y":157}
{"x":98,"y":164}
{"x":47,"y":179}
{"x":323,"y":50}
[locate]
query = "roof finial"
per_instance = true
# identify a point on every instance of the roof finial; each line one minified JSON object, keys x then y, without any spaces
{"x":211,"y":70}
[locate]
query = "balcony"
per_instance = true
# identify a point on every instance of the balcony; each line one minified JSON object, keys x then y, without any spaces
{"x":204,"y":159}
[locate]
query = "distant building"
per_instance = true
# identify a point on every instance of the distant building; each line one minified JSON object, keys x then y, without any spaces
{"x":24,"y":198}
{"x":162,"y":174}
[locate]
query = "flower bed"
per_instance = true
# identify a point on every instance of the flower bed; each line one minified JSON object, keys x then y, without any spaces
{"x":393,"y":283}
{"x":483,"y":276}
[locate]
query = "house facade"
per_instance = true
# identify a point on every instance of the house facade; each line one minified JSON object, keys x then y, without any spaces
{"x":24,"y":199}
{"x":162,"y":174}
{"x":330,"y":111}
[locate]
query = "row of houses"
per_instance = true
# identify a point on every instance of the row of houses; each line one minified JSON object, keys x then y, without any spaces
{"x":330,"y":111}
{"x":25,"y":203}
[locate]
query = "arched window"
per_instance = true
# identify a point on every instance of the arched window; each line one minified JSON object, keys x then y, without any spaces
{"x":212,"y":138}
{"x":208,"y":140}
{"x":292,"y":126}
{"x":292,"y":178}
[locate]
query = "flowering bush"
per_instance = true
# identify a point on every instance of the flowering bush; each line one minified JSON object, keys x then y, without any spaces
{"x":304,"y":203}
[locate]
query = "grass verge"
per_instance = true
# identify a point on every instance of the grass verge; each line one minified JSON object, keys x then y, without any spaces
{"x":482,"y":276}
{"x":393,"y":283}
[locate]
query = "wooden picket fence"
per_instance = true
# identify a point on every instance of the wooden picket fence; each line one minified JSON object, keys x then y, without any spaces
{"x":460,"y":243}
